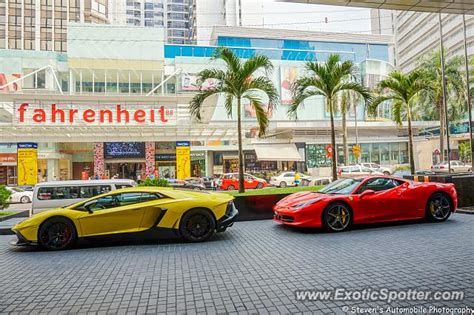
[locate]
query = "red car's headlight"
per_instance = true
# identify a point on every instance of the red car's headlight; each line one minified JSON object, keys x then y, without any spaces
{"x":304,"y":204}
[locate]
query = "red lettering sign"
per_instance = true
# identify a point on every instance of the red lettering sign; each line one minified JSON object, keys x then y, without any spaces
{"x":66,"y":114}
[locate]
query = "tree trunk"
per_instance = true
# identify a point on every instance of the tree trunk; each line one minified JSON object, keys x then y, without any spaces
{"x":241,"y":150}
{"x":410,"y":142}
{"x":442,"y":121}
{"x":333,"y":140}
{"x":344,"y":137}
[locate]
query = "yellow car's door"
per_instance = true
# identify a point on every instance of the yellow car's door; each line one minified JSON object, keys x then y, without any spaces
{"x":118,"y":213}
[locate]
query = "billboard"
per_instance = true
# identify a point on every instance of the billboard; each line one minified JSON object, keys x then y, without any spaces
{"x":124,"y":150}
{"x":27,"y":157}
{"x":288,"y":77}
{"x":189,"y":83}
{"x":183,"y":159}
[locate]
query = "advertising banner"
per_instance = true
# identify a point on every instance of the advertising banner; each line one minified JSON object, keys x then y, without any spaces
{"x":27,"y":163}
{"x":183,"y":159}
{"x":189,"y":83}
{"x":288,"y":77}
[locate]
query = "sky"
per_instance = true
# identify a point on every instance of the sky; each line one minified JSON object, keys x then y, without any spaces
{"x":314,"y":17}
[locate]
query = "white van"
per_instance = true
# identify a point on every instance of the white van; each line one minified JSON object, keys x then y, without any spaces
{"x":57,"y":194}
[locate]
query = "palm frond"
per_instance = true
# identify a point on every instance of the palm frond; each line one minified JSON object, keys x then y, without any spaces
{"x":261,"y":113}
{"x":206,"y":74}
{"x":229,"y":57}
{"x":229,"y":103}
{"x":265,"y":85}
{"x":298,"y":101}
{"x":255,"y":63}
{"x":397,"y":109}
{"x":197,"y":101}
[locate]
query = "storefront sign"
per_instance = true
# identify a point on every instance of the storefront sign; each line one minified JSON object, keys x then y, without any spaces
{"x":124,"y":150}
{"x":165,"y":157}
{"x":7,"y":159}
{"x":183,"y":159}
{"x":96,"y":114}
{"x":27,"y":163}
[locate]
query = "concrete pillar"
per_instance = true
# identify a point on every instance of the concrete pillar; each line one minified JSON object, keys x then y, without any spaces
{"x":99,"y":162}
{"x":53,"y":169}
{"x":149,"y":158}
{"x":209,"y":163}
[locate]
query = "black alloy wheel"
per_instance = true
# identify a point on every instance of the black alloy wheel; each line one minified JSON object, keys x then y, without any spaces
{"x":337,"y":217}
{"x":57,"y":234}
{"x":439,"y":207}
{"x":197,"y":225}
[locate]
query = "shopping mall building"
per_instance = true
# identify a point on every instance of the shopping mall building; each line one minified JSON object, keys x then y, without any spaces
{"x":117,"y":102}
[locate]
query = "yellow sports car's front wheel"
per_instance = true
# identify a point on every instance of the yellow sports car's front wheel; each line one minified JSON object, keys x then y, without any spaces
{"x":197,"y":225}
{"x":57,"y":233}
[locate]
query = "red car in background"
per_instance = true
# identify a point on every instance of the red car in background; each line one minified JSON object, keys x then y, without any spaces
{"x":230,"y":181}
{"x":368,"y":199}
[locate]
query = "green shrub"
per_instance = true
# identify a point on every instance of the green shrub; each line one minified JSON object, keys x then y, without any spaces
{"x":400,"y":168}
{"x":158,"y":182}
{"x":4,"y":197}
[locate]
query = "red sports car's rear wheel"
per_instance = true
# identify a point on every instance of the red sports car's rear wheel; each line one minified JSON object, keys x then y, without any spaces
{"x":439,"y":207}
{"x":56,"y":234}
{"x":337,"y":217}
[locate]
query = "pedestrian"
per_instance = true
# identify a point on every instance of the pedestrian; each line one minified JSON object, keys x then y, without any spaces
{"x":297,"y":178}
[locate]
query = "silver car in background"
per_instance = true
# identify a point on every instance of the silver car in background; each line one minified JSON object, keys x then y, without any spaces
{"x":57,"y":194}
{"x":456,"y":167}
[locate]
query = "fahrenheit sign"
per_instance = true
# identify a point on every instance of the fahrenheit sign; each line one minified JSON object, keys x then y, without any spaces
{"x":100,"y":114}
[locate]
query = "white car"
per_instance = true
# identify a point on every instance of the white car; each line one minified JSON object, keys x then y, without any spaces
{"x":19,"y":195}
{"x":286,"y":179}
{"x":456,"y":167}
{"x":318,"y":181}
{"x":377,"y":168}
{"x":356,"y":171}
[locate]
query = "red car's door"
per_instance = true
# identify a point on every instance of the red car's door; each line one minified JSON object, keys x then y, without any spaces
{"x":411,"y":201}
{"x":384,"y":203}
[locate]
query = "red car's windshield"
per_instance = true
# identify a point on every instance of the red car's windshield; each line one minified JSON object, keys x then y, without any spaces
{"x":343,"y":186}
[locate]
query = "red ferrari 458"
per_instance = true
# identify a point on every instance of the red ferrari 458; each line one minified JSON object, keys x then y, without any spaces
{"x":367,"y":199}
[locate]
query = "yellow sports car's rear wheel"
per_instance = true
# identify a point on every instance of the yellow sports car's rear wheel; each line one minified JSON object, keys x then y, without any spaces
{"x":56,"y":234}
{"x":197,"y":225}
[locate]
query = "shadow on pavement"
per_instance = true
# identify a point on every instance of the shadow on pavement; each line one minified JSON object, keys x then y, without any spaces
{"x":109,"y":242}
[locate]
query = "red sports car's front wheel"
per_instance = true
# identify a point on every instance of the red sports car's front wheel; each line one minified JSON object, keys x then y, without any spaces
{"x":438,"y":208}
{"x":337,"y":217}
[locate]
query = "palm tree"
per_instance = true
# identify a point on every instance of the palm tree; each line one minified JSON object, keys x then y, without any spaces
{"x":347,"y":100}
{"x":239,"y":80}
{"x":327,"y":80}
{"x":402,"y":90}
{"x":430,"y":101}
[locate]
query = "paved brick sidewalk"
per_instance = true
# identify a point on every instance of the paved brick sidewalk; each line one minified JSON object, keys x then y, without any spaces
{"x":254,"y":267}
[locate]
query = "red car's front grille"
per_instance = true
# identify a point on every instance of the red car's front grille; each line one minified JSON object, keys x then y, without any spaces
{"x":284,"y":218}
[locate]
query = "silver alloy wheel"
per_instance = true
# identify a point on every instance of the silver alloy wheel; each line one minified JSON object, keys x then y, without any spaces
{"x":338,"y":217}
{"x":440,"y":207}
{"x":25,"y":199}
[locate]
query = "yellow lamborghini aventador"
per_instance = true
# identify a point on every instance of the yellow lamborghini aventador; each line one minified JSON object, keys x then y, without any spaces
{"x":195,"y":216}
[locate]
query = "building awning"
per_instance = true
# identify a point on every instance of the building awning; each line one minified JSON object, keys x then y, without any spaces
{"x":277,"y":152}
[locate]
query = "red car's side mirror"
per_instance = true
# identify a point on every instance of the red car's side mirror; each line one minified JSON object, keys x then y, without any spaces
{"x":366,"y":193}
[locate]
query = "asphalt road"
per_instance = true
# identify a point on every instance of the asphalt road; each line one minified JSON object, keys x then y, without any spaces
{"x":254,"y":267}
